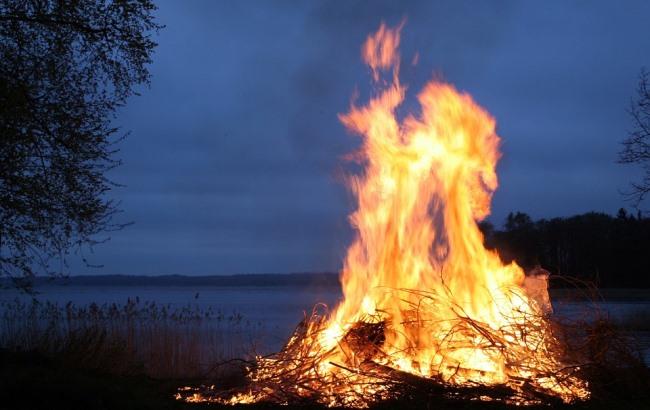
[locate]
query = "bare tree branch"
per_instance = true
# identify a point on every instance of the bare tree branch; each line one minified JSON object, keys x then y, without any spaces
{"x":636,"y":147}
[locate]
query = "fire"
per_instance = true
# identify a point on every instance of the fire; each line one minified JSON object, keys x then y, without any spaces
{"x":423,"y":298}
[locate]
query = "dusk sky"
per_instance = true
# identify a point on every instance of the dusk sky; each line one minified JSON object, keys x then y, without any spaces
{"x":234,"y":160}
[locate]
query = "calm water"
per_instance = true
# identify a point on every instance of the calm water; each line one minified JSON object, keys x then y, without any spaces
{"x":279,"y":309}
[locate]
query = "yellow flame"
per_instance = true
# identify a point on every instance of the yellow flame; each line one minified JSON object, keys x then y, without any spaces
{"x":445,"y":306}
{"x":418,"y":257}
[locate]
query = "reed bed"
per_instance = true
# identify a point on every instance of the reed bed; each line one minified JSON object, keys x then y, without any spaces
{"x":137,"y":337}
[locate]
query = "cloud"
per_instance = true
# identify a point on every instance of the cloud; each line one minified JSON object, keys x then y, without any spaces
{"x":233,"y":161}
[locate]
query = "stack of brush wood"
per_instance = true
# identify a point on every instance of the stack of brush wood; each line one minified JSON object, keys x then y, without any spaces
{"x":296,"y":375}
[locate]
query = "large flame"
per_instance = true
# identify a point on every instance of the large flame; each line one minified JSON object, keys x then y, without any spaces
{"x":427,"y":181}
{"x":443,"y":305}
{"x":418,"y":262}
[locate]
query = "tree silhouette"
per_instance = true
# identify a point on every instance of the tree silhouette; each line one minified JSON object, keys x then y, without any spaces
{"x":595,"y":247}
{"x":65,"y":67}
{"x":636,"y":147}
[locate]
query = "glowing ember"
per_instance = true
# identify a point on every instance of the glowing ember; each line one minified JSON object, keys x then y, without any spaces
{"x":424,"y":301}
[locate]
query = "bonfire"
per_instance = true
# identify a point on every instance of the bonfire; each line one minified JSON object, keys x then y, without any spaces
{"x":426,"y":307}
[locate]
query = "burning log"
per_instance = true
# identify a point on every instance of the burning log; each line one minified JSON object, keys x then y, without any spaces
{"x":364,"y":340}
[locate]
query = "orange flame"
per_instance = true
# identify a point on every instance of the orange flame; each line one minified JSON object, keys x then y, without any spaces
{"x":380,"y":50}
{"x":448,"y":308}
{"x":418,"y":261}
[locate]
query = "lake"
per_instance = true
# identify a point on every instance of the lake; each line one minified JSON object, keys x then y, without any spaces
{"x":278,"y":309}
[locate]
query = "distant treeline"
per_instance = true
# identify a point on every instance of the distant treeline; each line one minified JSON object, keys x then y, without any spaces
{"x":268,"y":279}
{"x":608,"y":251}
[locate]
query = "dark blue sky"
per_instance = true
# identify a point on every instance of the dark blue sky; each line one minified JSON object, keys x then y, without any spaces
{"x":234,"y":160}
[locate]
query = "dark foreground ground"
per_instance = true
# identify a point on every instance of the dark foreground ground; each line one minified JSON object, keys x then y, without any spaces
{"x":33,"y":381}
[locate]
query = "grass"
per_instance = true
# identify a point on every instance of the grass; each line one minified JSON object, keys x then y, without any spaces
{"x":132,"y":338}
{"x":29,"y":380}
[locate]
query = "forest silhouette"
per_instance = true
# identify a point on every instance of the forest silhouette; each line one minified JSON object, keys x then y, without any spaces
{"x":608,"y":251}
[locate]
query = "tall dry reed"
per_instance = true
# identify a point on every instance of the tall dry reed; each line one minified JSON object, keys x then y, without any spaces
{"x":160,"y":341}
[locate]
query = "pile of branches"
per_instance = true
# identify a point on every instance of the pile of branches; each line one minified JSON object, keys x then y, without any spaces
{"x":299,"y":375}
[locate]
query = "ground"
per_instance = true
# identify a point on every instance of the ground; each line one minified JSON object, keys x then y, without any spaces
{"x":32,"y":381}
